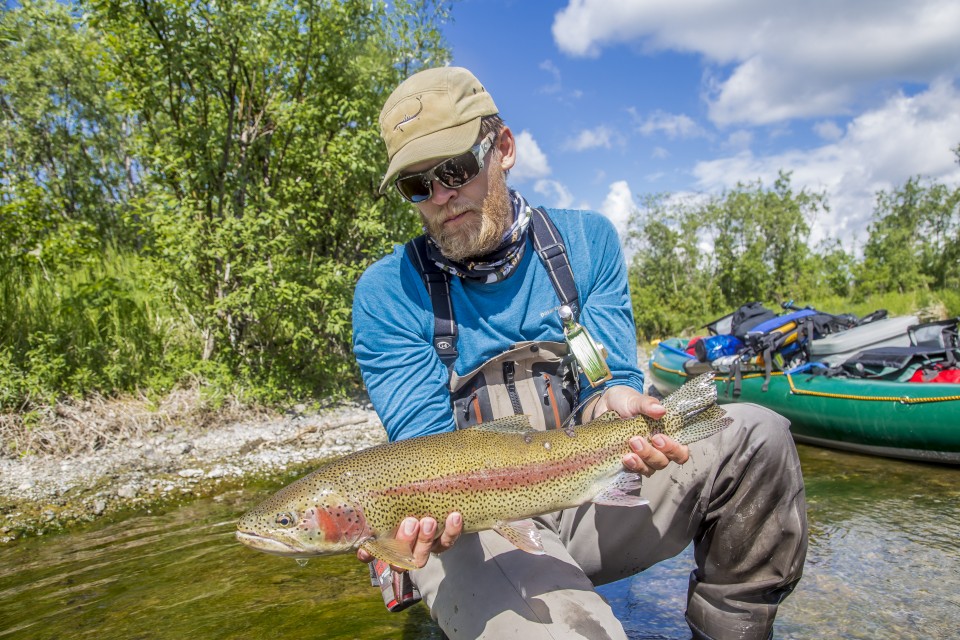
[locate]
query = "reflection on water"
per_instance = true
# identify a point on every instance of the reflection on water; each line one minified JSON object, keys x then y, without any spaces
{"x":883,"y":563}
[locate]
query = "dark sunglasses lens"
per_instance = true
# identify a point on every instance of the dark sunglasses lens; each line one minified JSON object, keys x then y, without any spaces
{"x":456,"y":172}
{"x":414,"y":188}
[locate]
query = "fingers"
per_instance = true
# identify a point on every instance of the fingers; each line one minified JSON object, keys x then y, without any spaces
{"x":450,"y":533}
{"x":673,"y":450}
{"x":424,"y":532}
{"x":423,"y":539}
{"x":418,"y":534}
{"x":650,"y":406}
{"x":646,"y":457}
{"x":628,"y":402}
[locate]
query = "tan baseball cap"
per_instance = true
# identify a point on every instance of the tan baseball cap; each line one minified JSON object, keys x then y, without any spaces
{"x":432,"y":115}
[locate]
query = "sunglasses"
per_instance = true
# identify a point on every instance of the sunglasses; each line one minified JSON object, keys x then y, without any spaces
{"x":452,"y":173}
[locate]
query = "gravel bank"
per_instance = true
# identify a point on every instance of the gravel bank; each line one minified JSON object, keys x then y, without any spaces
{"x":40,"y":493}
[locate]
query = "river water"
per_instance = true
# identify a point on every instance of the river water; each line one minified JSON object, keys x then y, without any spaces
{"x":884,"y":563}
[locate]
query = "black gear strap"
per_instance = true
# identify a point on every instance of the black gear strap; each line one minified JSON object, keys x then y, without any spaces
{"x":549,"y":246}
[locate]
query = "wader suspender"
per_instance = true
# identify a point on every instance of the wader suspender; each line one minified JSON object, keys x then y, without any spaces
{"x":549,"y":246}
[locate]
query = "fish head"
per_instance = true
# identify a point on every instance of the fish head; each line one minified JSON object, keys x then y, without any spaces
{"x":307,"y":518}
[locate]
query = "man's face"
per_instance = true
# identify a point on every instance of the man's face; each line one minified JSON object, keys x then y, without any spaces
{"x":470,"y":221}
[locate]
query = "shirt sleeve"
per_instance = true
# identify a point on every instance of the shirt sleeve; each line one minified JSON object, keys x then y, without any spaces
{"x":392,"y":342}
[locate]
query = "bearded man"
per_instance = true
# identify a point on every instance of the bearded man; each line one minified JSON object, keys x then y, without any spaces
{"x":461,"y":326}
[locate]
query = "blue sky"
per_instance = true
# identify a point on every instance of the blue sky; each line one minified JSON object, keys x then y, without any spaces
{"x":615,"y":99}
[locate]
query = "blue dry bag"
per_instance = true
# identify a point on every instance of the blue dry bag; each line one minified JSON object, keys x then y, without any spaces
{"x":712,"y":347}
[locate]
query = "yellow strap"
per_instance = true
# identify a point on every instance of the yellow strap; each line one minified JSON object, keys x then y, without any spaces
{"x":821,"y":394}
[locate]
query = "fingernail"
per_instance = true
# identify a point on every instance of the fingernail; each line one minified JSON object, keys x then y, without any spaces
{"x":637,"y":443}
{"x":658,"y":441}
{"x":456,"y":519}
{"x":657,"y":407}
{"x":428,"y":527}
{"x":409,"y":526}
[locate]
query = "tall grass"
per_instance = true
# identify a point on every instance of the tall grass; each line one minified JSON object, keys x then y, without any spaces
{"x":928,"y":304}
{"x":97,"y":327}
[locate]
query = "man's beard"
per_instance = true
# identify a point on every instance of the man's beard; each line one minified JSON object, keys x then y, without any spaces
{"x":481,"y":235}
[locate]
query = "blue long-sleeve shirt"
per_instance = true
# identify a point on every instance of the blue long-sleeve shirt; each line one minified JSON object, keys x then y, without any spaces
{"x":393,"y":322}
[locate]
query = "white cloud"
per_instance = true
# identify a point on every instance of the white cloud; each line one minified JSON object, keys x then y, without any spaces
{"x":554,"y":71}
{"x":740,"y":139}
{"x":619,"y":205}
{"x":828,"y":130}
{"x":532,"y":162}
{"x":561,"y":196}
{"x":598,"y":137}
{"x":673,"y":125}
{"x":880,"y":150}
{"x":773,"y":61}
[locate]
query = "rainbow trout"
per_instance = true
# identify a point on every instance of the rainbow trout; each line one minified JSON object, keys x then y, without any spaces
{"x":496,"y":474}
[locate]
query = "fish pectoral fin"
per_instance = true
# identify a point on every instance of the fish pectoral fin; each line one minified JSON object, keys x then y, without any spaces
{"x":523,"y":534}
{"x":615,"y":495}
{"x":510,"y":424}
{"x":391,"y":551}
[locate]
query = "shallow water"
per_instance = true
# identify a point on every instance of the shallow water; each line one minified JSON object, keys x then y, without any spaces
{"x":884,"y":563}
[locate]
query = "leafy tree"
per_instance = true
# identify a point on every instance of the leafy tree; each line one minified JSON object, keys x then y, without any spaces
{"x":761,"y":239}
{"x":262,"y":158}
{"x":66,"y":171}
{"x":914,"y":240}
{"x":671,"y":280}
{"x":700,"y":258}
{"x":830,"y":270}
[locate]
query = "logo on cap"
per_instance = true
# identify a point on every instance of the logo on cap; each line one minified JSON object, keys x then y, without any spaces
{"x":407,"y":118}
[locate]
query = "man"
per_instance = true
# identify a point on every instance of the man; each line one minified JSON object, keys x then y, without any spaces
{"x":738,"y":495}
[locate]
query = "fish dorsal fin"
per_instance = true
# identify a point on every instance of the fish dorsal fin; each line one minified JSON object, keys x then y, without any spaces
{"x":391,"y":551}
{"x":510,"y":424}
{"x":615,"y":494}
{"x":523,"y":534}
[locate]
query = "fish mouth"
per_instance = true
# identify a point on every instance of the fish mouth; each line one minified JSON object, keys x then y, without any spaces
{"x":269,"y":545}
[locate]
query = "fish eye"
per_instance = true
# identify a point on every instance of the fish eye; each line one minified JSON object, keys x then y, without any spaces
{"x":284,"y":519}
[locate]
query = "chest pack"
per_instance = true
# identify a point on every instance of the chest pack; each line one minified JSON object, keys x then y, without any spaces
{"x":538,"y":379}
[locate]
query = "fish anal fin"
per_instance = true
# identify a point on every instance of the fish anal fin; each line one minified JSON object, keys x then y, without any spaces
{"x":523,"y":534}
{"x":510,"y":424}
{"x":391,"y":551}
{"x":615,"y":494}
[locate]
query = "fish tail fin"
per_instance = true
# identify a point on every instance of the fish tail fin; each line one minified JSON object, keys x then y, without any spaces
{"x":693,"y":396}
{"x":703,"y":424}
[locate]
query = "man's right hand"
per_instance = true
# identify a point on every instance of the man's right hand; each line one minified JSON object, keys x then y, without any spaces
{"x":422,"y":537}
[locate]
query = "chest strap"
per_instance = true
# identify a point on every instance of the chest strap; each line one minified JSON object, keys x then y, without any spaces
{"x":553,"y":254}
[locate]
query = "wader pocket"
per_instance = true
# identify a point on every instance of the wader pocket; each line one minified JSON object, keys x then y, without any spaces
{"x":532,"y":378}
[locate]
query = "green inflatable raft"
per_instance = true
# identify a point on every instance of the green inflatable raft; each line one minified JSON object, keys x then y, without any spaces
{"x":907,"y":420}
